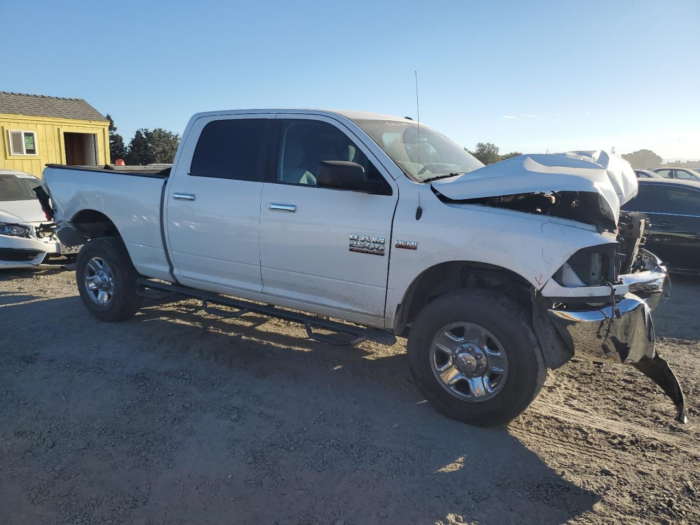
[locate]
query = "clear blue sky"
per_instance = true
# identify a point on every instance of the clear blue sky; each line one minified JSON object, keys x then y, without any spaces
{"x":525,"y":75}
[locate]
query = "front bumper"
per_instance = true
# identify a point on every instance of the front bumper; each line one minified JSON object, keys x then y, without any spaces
{"x":623,"y":331}
{"x":649,"y":283}
{"x":25,"y":252}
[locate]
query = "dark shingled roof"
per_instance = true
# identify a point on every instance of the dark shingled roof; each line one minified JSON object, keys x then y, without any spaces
{"x":42,"y":106}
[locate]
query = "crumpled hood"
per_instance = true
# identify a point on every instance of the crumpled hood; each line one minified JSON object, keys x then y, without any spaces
{"x":606,"y":174}
{"x":18,"y":212}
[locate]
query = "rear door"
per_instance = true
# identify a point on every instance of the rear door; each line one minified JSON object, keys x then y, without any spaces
{"x":213,"y":204}
{"x":312,"y":237}
{"x":674,"y":213}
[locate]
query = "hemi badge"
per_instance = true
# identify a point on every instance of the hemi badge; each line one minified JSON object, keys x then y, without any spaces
{"x":407,"y":245}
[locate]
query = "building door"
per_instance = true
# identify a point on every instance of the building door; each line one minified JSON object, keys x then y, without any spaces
{"x":81,"y":149}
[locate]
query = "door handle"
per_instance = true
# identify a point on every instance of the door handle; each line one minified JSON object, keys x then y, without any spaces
{"x":663,"y":224}
{"x":183,"y":196}
{"x":283,"y":207}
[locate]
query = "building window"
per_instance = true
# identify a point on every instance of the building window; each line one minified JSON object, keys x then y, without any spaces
{"x":22,"y":143}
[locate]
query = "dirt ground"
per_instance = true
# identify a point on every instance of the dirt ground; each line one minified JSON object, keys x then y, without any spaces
{"x":181,"y":417}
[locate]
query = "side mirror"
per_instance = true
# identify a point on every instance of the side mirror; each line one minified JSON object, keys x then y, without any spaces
{"x":342,"y":175}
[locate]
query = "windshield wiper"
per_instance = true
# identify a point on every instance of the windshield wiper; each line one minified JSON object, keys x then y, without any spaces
{"x":445,"y":176}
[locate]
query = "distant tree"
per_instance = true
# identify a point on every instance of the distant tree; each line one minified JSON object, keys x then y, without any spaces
{"x":510,"y":155}
{"x":139,"y":149}
{"x":643,"y":158}
{"x":164,"y":145}
{"x":149,"y":146}
{"x":486,"y":153}
{"x":117,"y":149}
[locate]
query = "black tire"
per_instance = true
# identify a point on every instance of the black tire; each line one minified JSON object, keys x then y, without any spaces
{"x":124,"y":302}
{"x":510,"y":324}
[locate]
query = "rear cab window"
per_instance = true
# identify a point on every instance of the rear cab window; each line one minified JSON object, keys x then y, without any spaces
{"x":233,"y":149}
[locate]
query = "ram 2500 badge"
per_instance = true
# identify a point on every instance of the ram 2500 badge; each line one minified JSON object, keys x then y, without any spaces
{"x":494,"y":274}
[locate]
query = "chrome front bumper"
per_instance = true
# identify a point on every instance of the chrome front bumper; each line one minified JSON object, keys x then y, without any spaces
{"x":624,"y":335}
{"x":652,"y":284}
{"x":624,"y":332}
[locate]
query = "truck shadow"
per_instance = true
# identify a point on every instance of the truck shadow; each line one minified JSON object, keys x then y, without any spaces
{"x":11,"y":298}
{"x":248,"y":418}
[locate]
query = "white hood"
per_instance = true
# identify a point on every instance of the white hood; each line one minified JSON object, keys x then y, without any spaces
{"x":22,"y":212}
{"x":599,"y":172}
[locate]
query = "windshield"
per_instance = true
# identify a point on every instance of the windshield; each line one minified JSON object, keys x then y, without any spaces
{"x":421,"y":153}
{"x":18,"y":188}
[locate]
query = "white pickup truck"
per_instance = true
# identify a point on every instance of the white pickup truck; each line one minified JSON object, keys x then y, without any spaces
{"x":374,"y":226}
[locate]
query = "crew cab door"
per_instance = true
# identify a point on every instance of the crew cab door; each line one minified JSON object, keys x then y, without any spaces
{"x":322,"y":249}
{"x":213,"y":203}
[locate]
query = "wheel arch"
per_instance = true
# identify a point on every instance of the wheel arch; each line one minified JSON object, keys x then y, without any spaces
{"x":93,"y":224}
{"x":444,"y":277}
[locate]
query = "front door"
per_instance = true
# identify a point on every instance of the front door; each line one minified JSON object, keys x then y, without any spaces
{"x":326,"y":249}
{"x":213,"y":204}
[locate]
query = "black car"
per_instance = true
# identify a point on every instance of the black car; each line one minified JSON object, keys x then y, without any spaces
{"x":673,"y":208}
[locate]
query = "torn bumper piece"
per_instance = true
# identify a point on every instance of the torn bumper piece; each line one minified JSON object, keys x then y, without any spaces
{"x":652,"y":284}
{"x":621,"y":334}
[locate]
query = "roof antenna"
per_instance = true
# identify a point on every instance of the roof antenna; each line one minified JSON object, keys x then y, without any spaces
{"x":417,"y":105}
{"x":419,"y":210}
{"x":418,"y":114}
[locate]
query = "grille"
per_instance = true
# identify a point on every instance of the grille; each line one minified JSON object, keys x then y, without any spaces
{"x":8,"y":254}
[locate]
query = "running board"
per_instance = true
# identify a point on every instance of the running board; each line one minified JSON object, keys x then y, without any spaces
{"x":222,"y":313}
{"x":357,"y":334}
{"x":156,"y":295}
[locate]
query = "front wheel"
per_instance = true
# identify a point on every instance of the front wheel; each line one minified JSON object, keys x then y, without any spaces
{"x":475,"y":357}
{"x":107,"y":279}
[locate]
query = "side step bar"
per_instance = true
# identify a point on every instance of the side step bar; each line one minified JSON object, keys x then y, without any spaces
{"x":357,"y":334}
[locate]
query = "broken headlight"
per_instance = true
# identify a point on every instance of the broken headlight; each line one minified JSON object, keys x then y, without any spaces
{"x":594,"y":266}
{"x":14,"y":230}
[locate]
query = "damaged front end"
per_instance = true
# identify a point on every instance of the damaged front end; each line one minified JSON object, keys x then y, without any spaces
{"x":598,"y":303}
{"x":617,"y":328}
{"x":619,"y":333}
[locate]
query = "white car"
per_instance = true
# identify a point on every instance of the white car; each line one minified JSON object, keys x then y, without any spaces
{"x":26,"y":233}
{"x":493,"y":273}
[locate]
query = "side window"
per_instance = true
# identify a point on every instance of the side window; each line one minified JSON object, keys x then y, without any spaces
{"x":680,"y":174}
{"x":647,"y":199}
{"x":665,"y":173}
{"x":232,"y":149}
{"x":305,"y":144}
{"x":683,"y":201}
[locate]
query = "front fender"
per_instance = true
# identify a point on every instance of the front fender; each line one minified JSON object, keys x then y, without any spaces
{"x":531,"y":246}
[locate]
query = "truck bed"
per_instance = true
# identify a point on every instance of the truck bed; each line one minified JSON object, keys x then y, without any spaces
{"x":158,"y":172}
{"x":130,"y":198}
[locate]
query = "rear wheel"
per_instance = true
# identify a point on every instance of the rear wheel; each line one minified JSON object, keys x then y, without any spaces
{"x":475,"y":357}
{"x":107,"y":279}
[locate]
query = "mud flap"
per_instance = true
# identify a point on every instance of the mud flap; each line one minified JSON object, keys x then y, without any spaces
{"x":659,"y":372}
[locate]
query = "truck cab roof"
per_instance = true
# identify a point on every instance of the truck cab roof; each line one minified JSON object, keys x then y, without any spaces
{"x":349,"y":114}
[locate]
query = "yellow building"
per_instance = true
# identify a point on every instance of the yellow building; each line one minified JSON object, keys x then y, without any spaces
{"x":36,"y":130}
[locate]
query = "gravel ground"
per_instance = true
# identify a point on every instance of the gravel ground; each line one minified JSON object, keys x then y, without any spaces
{"x":181,"y":417}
